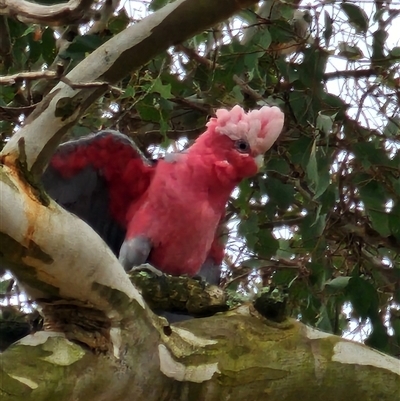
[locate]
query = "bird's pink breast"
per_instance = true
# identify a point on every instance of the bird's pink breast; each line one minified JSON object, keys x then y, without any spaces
{"x":180,"y":220}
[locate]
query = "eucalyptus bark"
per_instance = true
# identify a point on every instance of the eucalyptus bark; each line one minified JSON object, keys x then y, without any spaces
{"x":234,"y":356}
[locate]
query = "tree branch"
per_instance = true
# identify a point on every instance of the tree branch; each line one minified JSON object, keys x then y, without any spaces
{"x":350,"y":74}
{"x":202,"y":359}
{"x":56,"y":265}
{"x":29,"y":76}
{"x":54,"y":15}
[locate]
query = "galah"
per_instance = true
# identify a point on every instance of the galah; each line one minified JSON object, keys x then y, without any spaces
{"x":169,"y":212}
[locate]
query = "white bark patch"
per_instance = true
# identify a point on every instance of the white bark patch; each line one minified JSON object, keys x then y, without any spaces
{"x":179,"y":371}
{"x":242,"y":310}
{"x":115,"y":337}
{"x":71,"y":244}
{"x":64,"y":352}
{"x":313,"y":334}
{"x":39,"y":338}
{"x":193,"y":339}
{"x":31,"y":384}
{"x":356,"y":354}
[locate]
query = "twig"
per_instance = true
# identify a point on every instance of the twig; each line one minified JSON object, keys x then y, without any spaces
{"x":351,"y":74}
{"x":193,"y":55}
{"x":31,"y":75}
{"x":83,"y":85}
{"x":246,"y":88}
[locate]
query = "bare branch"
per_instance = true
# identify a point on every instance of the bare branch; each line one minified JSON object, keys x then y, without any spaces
{"x":246,"y":89}
{"x":193,"y":55}
{"x":31,"y":75}
{"x":356,"y":74}
{"x":12,"y":113}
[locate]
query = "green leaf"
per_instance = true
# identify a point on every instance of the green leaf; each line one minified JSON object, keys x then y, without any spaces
{"x":323,"y":322}
{"x":279,"y":165}
{"x":356,"y":16}
{"x":328,"y":28}
{"x":371,"y":154}
{"x":249,"y":229}
{"x":35,"y":49}
{"x":4,"y":285}
{"x":48,"y":46}
{"x":311,"y":229}
{"x":338,"y":283}
{"x":284,"y":250}
{"x":334,"y":104}
{"x":78,"y":131}
{"x":300,"y":149}
{"x":351,"y":53}
{"x":129,"y":92}
{"x":279,"y":193}
{"x":394,"y":220}
{"x":322,"y":184}
{"x":374,"y":198}
{"x":245,"y":191}
{"x":118,"y":23}
{"x":157,"y":4}
{"x":285,"y":10}
{"x":312,"y":167}
{"x":267,"y":244}
{"x":325,"y":122}
{"x":281,"y":31}
{"x":363,"y":297}
{"x":147,"y":109}
{"x":163,"y":90}
{"x":313,"y":67}
{"x":378,"y":46}
{"x":392,"y":128}
{"x":378,"y":338}
{"x":30,"y":29}
{"x":328,"y":198}
{"x":82,"y":45}
{"x":265,"y":39}
{"x":284,"y":276}
{"x":301,"y":105}
{"x":395,"y":52}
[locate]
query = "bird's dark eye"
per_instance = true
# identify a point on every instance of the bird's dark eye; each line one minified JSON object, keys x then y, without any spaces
{"x":242,"y":146}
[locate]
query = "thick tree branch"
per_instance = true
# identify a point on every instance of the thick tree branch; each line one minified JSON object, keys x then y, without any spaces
{"x":202,"y":359}
{"x":57,"y":14}
{"x":55,"y":254}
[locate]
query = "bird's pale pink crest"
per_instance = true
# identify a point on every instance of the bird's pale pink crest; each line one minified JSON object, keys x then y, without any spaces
{"x":260,"y":127}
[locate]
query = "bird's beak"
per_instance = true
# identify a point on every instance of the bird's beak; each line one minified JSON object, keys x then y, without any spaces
{"x":259,"y":161}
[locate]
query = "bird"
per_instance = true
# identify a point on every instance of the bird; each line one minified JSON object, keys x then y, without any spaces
{"x":167,"y":212}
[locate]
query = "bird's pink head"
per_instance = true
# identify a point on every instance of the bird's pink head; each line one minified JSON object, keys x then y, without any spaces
{"x":259,"y":128}
{"x":237,"y":141}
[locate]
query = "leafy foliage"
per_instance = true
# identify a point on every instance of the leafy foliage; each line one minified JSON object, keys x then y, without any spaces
{"x":323,"y":218}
